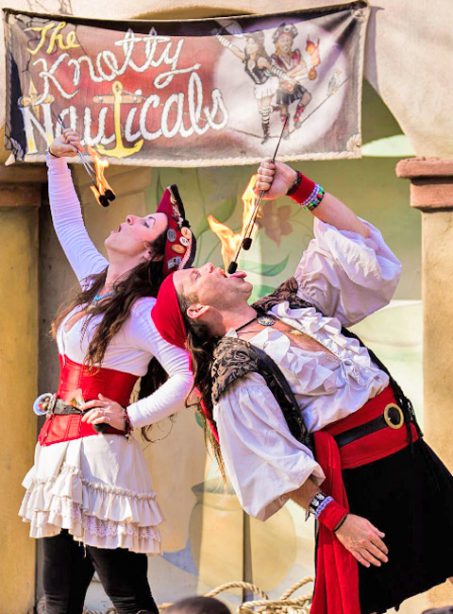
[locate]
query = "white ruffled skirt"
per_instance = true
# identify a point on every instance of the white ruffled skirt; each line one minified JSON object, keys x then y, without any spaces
{"x":268,"y":88}
{"x":98,"y":488}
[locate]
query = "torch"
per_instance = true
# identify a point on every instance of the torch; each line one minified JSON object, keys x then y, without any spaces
{"x":246,"y":241}
{"x":100,"y":188}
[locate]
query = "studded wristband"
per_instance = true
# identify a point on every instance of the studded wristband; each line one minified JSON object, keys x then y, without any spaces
{"x":319,"y":503}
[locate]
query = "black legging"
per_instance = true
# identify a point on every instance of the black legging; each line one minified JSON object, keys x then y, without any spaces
{"x":69,"y":567}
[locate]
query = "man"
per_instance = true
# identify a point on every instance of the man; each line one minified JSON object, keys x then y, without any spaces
{"x":300,"y":409}
{"x":292,"y":62}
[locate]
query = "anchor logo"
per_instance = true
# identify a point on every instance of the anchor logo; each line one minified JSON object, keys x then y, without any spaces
{"x":119,"y":97}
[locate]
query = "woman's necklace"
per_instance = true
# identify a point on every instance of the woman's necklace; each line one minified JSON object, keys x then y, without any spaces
{"x":99,"y":297}
{"x":263,"y":320}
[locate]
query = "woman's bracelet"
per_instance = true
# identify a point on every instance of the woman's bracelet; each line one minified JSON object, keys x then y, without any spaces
{"x":128,"y":428}
{"x":51,"y":153}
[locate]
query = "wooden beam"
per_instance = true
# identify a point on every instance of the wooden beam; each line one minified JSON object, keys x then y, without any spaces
{"x":23,"y":173}
{"x":20,"y":195}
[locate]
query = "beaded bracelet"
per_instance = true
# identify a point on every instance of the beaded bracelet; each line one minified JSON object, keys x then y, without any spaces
{"x":314,"y":199}
{"x":306,"y":192}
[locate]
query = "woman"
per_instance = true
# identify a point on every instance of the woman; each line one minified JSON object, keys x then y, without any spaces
{"x":262,"y":72}
{"x":89,"y":495}
{"x":298,"y":406}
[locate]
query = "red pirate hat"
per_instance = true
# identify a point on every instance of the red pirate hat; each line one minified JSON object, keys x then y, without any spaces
{"x":167,"y":317}
{"x":180,"y":245}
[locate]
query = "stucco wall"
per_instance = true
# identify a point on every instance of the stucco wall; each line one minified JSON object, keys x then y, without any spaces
{"x":18,"y":377}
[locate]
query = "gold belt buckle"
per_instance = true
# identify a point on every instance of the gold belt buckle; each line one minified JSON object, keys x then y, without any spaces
{"x":390,"y":408}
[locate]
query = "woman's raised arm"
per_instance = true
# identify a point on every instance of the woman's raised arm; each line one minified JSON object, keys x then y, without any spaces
{"x":67,"y":219}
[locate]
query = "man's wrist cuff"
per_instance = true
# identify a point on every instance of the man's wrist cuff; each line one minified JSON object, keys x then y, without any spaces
{"x":306,"y":192}
{"x":333,"y":516}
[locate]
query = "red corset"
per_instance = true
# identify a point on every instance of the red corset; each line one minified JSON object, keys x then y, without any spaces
{"x":112,"y":384}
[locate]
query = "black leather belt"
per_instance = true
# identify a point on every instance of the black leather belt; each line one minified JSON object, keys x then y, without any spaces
{"x":392,"y":417}
{"x":47,"y":404}
{"x":62,"y":409}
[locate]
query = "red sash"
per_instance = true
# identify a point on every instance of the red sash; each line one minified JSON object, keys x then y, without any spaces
{"x":113,"y":384}
{"x":337,"y":574}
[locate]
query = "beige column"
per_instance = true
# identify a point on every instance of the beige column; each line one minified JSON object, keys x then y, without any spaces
{"x":20,"y":197}
{"x":431,"y":192}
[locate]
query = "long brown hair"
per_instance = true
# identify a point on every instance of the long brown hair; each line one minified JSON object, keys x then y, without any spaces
{"x":200,"y":344}
{"x":143,"y":280}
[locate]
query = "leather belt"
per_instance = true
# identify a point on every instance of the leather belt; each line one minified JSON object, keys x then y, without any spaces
{"x":48,"y":403}
{"x":62,"y":409}
{"x":392,"y":417}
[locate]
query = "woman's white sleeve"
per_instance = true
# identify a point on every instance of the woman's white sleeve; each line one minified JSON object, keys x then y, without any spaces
{"x":170,"y":397}
{"x":346,"y":275}
{"x":263,"y":460}
{"x":67,"y":219}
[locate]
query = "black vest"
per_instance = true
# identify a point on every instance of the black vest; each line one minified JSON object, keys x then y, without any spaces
{"x":234,"y":358}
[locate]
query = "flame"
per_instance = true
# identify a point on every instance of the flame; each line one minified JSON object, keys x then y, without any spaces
{"x":229,"y":239}
{"x":312,"y":49}
{"x":101,"y":189}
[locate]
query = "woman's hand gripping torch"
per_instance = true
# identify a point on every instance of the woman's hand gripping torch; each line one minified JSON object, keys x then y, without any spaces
{"x":100,"y":188}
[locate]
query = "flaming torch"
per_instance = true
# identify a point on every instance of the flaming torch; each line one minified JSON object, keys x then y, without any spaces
{"x":230,"y":240}
{"x":248,"y":227}
{"x":101,"y":188}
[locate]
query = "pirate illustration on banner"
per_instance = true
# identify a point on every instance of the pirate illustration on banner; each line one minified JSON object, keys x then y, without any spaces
{"x":292,"y":62}
{"x":266,"y":76}
{"x":277,"y":77}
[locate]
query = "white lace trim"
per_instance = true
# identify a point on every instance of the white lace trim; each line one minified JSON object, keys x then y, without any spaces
{"x":96,"y":514}
{"x":120,"y":492}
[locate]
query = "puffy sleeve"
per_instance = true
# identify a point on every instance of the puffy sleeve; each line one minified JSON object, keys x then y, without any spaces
{"x":346,"y":275}
{"x":170,"y":397}
{"x":67,"y":219}
{"x":263,"y":461}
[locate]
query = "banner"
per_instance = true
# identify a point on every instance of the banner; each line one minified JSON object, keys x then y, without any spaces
{"x":188,"y":93}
